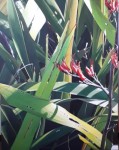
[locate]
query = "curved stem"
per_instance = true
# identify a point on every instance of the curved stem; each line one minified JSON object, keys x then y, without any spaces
{"x":109,"y":109}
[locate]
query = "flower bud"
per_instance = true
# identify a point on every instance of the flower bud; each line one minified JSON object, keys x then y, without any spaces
{"x":90,"y":71}
{"x":73,"y":66}
{"x":79,"y":72}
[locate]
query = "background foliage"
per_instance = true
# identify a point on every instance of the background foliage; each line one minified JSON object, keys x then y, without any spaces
{"x":43,"y":108}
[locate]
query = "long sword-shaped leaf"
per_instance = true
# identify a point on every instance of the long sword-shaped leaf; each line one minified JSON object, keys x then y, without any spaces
{"x":4,"y":78}
{"x":12,"y":64}
{"x":105,"y":67}
{"x":85,"y":20}
{"x":96,"y":34}
{"x":50,"y":16}
{"x":87,"y":142}
{"x":50,"y":111}
{"x":7,"y":125}
{"x":26,"y":136}
{"x":40,"y":52}
{"x":32,"y":19}
{"x":30,"y":46}
{"x":51,"y":136}
{"x":54,"y":6}
{"x":72,"y":88}
{"x":17,"y":33}
{"x":93,"y":95}
{"x":4,"y":25}
{"x":101,"y":20}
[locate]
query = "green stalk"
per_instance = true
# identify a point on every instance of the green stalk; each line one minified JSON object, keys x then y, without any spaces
{"x":71,"y":16}
{"x":46,"y":60}
{"x":80,"y":6}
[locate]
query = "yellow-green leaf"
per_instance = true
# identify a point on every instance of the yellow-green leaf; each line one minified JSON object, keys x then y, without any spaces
{"x":48,"y":110}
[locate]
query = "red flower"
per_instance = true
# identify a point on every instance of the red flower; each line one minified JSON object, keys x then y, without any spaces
{"x":63,"y":67}
{"x":90,"y":71}
{"x":114,"y":59}
{"x":112,"y":5}
{"x":80,"y":74}
{"x":77,"y":70}
{"x":74,"y":66}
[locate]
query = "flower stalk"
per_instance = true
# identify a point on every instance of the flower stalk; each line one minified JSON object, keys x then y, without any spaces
{"x":113,"y":6}
{"x":107,"y":126}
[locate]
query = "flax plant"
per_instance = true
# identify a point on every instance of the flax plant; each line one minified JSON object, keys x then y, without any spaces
{"x":43,"y":45}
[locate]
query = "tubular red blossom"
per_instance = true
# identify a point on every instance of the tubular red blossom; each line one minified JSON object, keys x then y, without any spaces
{"x":117,"y":5}
{"x":79,"y":73}
{"x":63,"y":67}
{"x":90,"y":71}
{"x":114,"y":59}
{"x":73,"y":66}
{"x":77,"y":70}
{"x":92,"y":67}
{"x":112,"y":5}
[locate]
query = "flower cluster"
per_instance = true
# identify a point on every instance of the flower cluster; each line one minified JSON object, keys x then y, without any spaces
{"x":75,"y":69}
{"x":112,"y":5}
{"x":114,"y":59}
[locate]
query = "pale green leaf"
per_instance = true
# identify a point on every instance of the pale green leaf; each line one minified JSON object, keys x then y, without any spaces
{"x":17,"y":34}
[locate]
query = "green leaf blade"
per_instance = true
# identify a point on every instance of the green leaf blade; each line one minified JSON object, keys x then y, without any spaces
{"x":17,"y":33}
